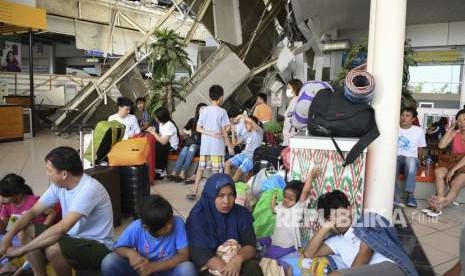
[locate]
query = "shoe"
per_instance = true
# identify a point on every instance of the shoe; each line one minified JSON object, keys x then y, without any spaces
{"x":191,"y":197}
{"x":160,"y":174}
{"x":398,"y":203}
{"x":178,"y":179}
{"x":163,"y":173}
{"x":427,"y":210}
{"x":412,"y":202}
{"x":189,"y":181}
{"x":434,"y":213}
{"x":455,"y":203}
{"x":171,"y":177}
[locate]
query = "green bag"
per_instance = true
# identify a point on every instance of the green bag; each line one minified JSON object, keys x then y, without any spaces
{"x":264,"y":219}
{"x":106,"y":134}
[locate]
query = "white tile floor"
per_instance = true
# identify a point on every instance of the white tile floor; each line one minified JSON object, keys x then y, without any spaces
{"x":440,"y":238}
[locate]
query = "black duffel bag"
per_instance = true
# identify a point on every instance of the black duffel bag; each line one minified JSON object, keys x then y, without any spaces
{"x":270,"y":155}
{"x":332,"y":115}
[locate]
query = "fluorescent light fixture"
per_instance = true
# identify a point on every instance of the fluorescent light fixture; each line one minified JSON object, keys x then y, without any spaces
{"x":335,"y":45}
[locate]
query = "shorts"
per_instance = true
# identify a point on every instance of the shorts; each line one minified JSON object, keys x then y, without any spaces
{"x":243,"y":162}
{"x":215,"y":162}
{"x":80,"y":253}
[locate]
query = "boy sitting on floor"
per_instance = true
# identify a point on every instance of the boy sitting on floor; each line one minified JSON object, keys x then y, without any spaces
{"x":156,"y":244}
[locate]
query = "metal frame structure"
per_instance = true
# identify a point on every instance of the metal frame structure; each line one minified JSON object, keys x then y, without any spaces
{"x":138,"y":54}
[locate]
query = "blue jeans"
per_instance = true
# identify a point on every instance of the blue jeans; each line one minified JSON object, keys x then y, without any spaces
{"x":185,"y":158}
{"x":114,"y":265}
{"x":381,"y":236}
{"x":409,"y":166}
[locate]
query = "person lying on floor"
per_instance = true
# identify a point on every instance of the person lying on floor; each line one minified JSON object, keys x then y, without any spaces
{"x":82,"y":238}
{"x":155,"y":244}
{"x":216,"y":219}
{"x":364,"y":249}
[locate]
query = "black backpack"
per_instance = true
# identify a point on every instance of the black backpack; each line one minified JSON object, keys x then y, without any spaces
{"x":332,"y":115}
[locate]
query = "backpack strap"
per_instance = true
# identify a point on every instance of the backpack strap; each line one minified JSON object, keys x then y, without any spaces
{"x":362,"y":144}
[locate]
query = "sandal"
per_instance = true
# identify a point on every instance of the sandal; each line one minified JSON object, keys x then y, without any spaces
{"x":171,"y":177}
{"x":177,"y":179}
{"x":189,"y":181}
{"x":191,"y":197}
{"x":432,"y":212}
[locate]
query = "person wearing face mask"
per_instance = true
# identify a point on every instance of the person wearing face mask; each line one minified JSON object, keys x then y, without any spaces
{"x":292,"y":93}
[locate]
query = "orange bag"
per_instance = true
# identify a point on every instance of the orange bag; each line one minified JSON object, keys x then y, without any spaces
{"x":131,"y":152}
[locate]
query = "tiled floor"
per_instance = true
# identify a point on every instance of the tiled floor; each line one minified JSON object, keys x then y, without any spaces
{"x":439,"y":238}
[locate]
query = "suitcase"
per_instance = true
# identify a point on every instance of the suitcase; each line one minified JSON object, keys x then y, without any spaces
{"x":135,"y":187}
{"x":131,"y":152}
{"x":265,"y":157}
{"x":151,"y":156}
{"x":109,"y":177}
{"x":105,"y":135}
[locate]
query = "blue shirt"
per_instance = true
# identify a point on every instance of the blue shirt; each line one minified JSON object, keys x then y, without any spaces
{"x":154,"y":248}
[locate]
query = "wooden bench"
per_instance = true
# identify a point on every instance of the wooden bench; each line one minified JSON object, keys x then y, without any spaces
{"x":173,"y":156}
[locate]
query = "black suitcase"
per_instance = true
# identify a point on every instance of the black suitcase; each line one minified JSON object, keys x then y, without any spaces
{"x":135,"y":187}
{"x":266,"y":156}
{"x":109,"y":177}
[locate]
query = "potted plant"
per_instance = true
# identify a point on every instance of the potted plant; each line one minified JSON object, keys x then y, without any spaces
{"x":167,"y":56}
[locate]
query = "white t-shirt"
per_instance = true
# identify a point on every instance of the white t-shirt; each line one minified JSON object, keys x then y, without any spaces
{"x":410,"y":140}
{"x":287,"y":231}
{"x":347,"y":247}
{"x":90,"y":199}
{"x":213,"y":119}
{"x":130,"y":121}
{"x":169,"y":129}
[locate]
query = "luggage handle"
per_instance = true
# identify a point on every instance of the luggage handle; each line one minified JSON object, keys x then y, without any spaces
{"x":81,"y":145}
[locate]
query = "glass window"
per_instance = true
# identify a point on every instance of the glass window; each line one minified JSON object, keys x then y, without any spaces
{"x":436,"y":79}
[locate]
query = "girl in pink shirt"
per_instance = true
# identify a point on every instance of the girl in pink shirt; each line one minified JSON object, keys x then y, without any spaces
{"x":16,"y":198}
{"x":450,"y":171}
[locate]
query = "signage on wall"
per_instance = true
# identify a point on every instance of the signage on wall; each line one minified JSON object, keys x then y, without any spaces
{"x":438,"y":56}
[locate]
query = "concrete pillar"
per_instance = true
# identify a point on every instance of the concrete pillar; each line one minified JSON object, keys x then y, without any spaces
{"x":385,"y":61}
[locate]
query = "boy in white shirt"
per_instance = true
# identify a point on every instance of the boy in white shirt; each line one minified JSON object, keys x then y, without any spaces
{"x":128,"y":120}
{"x":411,"y":138}
{"x":336,"y":237}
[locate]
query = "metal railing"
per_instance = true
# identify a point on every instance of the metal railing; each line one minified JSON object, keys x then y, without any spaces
{"x":49,"y":89}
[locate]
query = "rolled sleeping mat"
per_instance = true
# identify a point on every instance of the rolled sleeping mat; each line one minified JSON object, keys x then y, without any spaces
{"x":359,"y":85}
{"x":299,"y":119}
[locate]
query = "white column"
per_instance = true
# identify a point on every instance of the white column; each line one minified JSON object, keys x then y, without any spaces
{"x":385,"y":61}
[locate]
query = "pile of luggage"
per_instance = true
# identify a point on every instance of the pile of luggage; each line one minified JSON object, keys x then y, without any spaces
{"x":122,"y":166}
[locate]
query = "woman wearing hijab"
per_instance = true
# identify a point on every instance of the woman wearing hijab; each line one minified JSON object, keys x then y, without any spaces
{"x":214,"y":220}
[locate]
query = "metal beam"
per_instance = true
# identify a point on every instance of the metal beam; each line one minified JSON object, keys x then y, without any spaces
{"x":114,"y":16}
{"x":135,"y":25}
{"x":122,"y":60}
{"x":200,"y":15}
